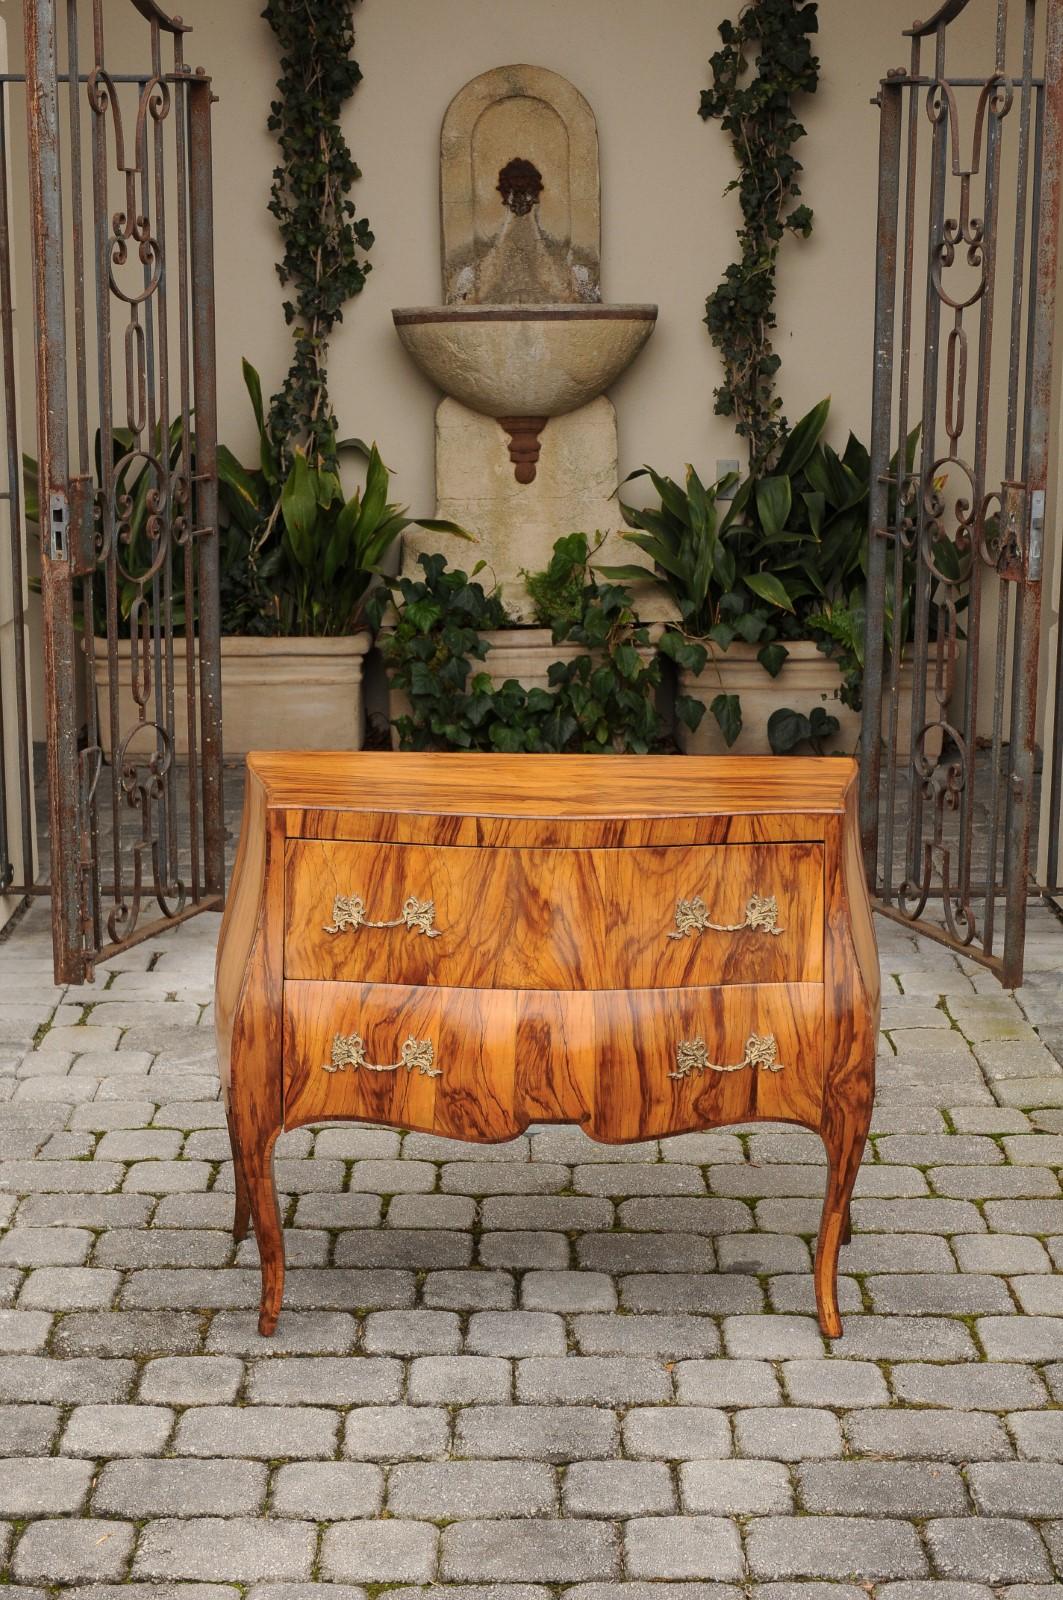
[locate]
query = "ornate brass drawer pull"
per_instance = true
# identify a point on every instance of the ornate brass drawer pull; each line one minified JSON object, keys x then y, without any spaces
{"x":416,"y":1055}
{"x":692,"y":916}
{"x":418,"y":916}
{"x":692,"y":1055}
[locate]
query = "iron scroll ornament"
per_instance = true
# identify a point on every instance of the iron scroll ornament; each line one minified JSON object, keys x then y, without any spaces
{"x":348,"y":1054}
{"x":417,"y":916}
{"x":692,"y":917}
{"x":692,"y":1055}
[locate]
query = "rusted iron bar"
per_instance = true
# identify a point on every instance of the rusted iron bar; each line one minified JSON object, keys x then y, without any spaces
{"x":890,"y":98}
{"x":1039,"y":410}
{"x":941,"y":18}
{"x":205,"y":489}
{"x":42,"y":109}
{"x":23,"y":738}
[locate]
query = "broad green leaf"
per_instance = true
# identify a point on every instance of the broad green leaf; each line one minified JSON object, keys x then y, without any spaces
{"x":31,"y":488}
{"x":857,"y":459}
{"x":299,"y":510}
{"x":829,"y":474}
{"x":254,"y":388}
{"x":816,"y":506}
{"x":239,"y":489}
{"x":372,"y":551}
{"x":358,"y":445}
{"x":672,"y":497}
{"x":327,"y":488}
{"x":768,"y":587}
{"x":441,"y":525}
{"x":374,"y":499}
{"x":774,"y":498}
{"x":802,"y":439}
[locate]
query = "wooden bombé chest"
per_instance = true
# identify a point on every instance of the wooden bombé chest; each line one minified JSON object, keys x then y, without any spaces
{"x":467,"y":944}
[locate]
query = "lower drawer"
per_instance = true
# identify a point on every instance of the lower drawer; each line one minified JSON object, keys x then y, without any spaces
{"x":481,"y":1064}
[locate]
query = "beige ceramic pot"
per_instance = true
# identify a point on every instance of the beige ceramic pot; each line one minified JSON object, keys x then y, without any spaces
{"x":277,"y":694}
{"x":808,"y":678}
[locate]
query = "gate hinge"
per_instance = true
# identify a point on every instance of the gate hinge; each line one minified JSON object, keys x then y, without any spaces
{"x":82,"y":526}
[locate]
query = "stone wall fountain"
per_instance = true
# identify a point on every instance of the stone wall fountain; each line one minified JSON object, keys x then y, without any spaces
{"x":523,"y":349}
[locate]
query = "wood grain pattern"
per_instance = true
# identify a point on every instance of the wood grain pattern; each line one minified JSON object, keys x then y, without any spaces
{"x":637,"y":1034}
{"x":453,"y":785}
{"x":473,"y":1033}
{"x":554,"y":919}
{"x":601,"y":1059}
{"x":563,"y":1003}
{"x":555,"y":833}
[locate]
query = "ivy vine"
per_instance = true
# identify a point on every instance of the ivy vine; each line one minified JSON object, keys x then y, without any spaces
{"x":758,"y":114}
{"x":325,"y":241}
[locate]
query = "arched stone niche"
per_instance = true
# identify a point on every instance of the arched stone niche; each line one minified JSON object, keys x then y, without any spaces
{"x":519,"y":191}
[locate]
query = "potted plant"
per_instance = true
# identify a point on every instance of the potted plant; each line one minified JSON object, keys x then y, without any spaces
{"x":769,"y":587}
{"x":450,"y":684}
{"x":298,"y":558}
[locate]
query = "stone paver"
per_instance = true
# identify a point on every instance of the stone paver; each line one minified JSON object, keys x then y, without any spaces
{"x":546,"y":1363}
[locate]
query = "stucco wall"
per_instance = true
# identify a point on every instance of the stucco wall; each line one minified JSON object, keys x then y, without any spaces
{"x":668,"y":230}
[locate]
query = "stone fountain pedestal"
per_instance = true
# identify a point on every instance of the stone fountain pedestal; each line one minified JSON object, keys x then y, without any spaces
{"x":523,"y":347}
{"x":516,"y":524}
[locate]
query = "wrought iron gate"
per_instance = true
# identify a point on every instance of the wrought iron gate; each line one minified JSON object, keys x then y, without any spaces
{"x":122,"y":229}
{"x":970,"y":169}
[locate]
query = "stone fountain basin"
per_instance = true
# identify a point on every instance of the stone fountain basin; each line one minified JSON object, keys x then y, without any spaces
{"x":524,"y":361}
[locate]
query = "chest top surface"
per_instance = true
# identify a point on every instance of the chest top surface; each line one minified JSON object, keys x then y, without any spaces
{"x":552,"y":786}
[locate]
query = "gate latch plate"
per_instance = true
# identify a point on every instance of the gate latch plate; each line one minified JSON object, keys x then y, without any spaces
{"x":58,"y":526}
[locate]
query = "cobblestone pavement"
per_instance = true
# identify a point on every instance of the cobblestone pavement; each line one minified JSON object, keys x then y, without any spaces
{"x":545,"y":1365}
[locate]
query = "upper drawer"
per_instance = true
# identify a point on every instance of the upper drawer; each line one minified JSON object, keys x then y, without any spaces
{"x":554,"y":919}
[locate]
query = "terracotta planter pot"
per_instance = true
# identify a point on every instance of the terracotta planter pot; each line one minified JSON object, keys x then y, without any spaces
{"x":808,"y":678}
{"x":277,"y":694}
{"x":526,"y":654}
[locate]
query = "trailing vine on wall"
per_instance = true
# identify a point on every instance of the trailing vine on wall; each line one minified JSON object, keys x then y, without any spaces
{"x":758,"y":114}
{"x":325,"y":241}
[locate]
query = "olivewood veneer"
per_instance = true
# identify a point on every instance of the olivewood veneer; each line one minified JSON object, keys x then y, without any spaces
{"x":465,"y":944}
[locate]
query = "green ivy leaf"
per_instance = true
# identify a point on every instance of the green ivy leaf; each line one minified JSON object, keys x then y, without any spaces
{"x":772,"y":658}
{"x":727,"y":709}
{"x":689,"y":711}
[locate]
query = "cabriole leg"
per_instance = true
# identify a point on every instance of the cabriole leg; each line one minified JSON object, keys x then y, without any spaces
{"x":242,"y":1203}
{"x":253,"y":1153}
{"x":844,"y":1136}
